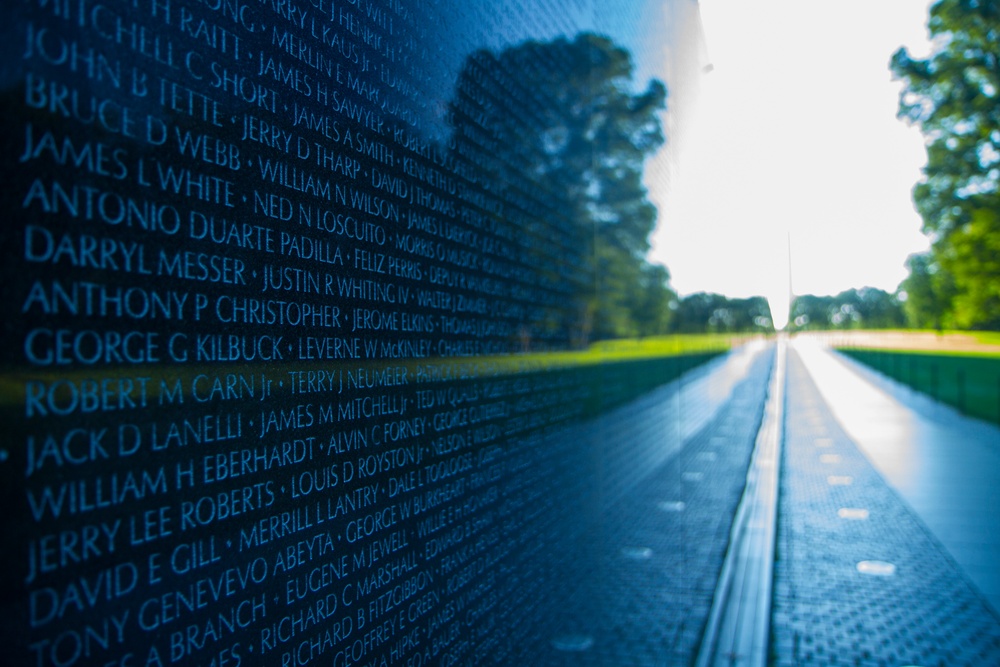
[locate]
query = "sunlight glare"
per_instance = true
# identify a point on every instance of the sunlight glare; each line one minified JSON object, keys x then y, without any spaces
{"x":795,"y":131}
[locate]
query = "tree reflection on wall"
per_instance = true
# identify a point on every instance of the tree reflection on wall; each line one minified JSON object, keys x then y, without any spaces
{"x":553,"y":130}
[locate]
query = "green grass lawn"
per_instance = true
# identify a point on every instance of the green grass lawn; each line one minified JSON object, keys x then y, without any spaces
{"x":632,"y":366}
{"x":986,"y":337}
{"x":961,"y":343}
{"x":629,"y":349}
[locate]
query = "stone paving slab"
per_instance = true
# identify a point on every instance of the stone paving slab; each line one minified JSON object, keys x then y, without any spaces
{"x":859,"y":579}
{"x":660,"y":546}
{"x":945,"y":465}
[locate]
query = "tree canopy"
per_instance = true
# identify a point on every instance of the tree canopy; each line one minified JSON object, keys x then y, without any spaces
{"x":929,"y":290}
{"x":953,"y":96}
{"x":707,"y":312}
{"x":558,"y":130}
{"x":865,"y":308}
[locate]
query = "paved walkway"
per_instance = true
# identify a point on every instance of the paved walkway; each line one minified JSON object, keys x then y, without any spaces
{"x":945,"y":466}
{"x":671,"y":489}
{"x":870,"y":570}
{"x":860,"y":576}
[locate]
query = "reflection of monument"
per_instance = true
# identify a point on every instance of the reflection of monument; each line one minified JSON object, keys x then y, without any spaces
{"x":263,"y":283}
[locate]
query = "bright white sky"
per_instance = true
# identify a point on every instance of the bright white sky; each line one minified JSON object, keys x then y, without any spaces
{"x":794,"y":132}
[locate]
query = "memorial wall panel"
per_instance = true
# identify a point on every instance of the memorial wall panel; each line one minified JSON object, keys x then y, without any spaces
{"x":280,"y":280}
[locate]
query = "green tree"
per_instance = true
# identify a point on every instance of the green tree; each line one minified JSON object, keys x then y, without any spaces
{"x":810,"y":312}
{"x":973,"y":258}
{"x":707,"y":312}
{"x":865,"y":308}
{"x":701,"y":312}
{"x":751,"y":315}
{"x":875,"y":308}
{"x":651,"y":309}
{"x":563,"y":136}
{"x":953,"y":97}
{"x":929,"y":291}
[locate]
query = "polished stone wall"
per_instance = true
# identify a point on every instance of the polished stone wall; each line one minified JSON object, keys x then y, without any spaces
{"x":285,"y":286}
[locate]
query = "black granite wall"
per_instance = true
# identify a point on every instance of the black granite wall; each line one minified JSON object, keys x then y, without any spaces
{"x":282,"y":284}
